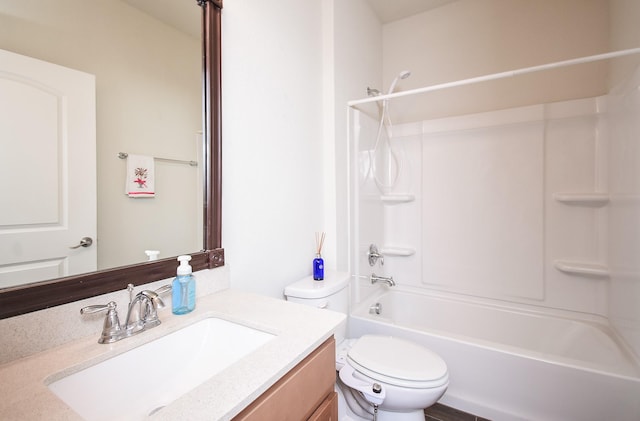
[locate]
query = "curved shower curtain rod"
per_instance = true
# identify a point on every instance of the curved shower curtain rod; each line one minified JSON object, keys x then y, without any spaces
{"x":494,"y":76}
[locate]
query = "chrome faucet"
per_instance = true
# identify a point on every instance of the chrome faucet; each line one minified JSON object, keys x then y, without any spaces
{"x":142,"y":314}
{"x":381,"y":279}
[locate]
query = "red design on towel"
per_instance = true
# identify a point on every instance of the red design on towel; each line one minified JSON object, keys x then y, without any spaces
{"x":141,"y":180}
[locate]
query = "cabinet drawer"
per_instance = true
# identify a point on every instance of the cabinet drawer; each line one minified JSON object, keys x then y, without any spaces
{"x":298,"y":394}
{"x":328,"y":410}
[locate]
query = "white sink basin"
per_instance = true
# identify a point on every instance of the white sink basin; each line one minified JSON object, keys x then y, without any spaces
{"x":139,"y":382}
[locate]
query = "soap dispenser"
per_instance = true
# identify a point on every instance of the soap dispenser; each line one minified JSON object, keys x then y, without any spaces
{"x":183,"y":291}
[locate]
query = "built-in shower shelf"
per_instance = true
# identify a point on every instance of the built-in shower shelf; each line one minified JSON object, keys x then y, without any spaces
{"x":582,"y":199}
{"x":582,"y":268}
{"x":392,"y":199}
{"x":397,"y":251}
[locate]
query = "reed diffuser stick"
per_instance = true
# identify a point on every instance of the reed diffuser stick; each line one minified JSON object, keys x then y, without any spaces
{"x":319,"y":242}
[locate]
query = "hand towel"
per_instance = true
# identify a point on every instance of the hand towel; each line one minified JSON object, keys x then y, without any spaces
{"x":140,"y":176}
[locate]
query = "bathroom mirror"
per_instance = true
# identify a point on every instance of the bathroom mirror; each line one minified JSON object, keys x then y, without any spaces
{"x":21,"y":299}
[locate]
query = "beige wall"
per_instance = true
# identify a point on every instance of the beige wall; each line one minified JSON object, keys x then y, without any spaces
{"x":471,"y":38}
{"x":148,"y":83}
{"x":625,"y":33}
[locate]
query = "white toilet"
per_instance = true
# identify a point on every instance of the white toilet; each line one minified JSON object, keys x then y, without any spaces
{"x":400,"y":377}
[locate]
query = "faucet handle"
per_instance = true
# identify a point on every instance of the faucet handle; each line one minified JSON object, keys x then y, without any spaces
{"x":163,"y":289}
{"x":151,"y":305}
{"x":153,"y":298}
{"x":374,"y":255}
{"x":111,"y":330}
{"x":97,"y":308}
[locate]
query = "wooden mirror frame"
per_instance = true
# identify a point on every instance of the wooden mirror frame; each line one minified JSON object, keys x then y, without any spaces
{"x":32,"y":297}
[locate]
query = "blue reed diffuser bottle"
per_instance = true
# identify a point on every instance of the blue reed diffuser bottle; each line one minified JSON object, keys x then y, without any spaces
{"x":318,"y":262}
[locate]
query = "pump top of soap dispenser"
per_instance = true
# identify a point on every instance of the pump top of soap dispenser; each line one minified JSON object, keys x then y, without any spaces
{"x":184,"y":268}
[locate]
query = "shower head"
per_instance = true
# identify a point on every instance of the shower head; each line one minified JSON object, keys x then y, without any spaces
{"x":402,"y":75}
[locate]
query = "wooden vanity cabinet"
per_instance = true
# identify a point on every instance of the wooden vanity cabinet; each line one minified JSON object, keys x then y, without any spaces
{"x":304,"y":393}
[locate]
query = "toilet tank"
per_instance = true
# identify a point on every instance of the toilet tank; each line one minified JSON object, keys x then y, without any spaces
{"x":331,"y":293}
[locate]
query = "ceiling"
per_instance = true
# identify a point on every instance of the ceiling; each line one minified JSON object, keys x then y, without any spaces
{"x":390,"y":10}
{"x":184,"y":15}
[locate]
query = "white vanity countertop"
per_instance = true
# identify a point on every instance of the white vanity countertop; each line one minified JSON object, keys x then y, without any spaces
{"x":299,"y":329}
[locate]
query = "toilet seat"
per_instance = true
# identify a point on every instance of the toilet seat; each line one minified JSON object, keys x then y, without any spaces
{"x":397,"y":362}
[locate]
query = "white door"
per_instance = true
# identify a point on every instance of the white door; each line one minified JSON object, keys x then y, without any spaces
{"x":47,"y":170}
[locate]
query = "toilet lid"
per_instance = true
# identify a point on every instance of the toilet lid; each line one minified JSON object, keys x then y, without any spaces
{"x":398,"y":362}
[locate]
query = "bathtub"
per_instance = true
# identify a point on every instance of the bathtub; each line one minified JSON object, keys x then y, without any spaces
{"x":512,"y":364}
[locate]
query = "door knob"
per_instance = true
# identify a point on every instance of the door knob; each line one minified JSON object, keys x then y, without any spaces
{"x":85,"y":242}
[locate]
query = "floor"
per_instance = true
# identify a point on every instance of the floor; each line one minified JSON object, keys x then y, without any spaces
{"x":439,"y":412}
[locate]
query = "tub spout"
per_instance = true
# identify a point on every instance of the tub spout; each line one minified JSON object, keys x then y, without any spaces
{"x":377,"y":279}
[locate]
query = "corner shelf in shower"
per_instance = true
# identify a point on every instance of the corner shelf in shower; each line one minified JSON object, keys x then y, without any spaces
{"x":397,"y":251}
{"x":582,"y":199}
{"x":392,"y":199}
{"x":582,"y":268}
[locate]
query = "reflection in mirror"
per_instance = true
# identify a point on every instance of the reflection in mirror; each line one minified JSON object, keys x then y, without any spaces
{"x":144,"y":58}
{"x":189,"y":220}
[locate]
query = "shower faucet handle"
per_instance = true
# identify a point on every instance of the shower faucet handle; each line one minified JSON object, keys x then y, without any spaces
{"x":374,"y":255}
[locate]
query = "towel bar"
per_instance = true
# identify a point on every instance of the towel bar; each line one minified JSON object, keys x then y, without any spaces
{"x":124,"y":155}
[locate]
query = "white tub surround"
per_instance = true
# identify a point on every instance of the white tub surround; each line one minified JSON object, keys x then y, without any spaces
{"x":298,"y":329}
{"x":507,"y":363}
{"x":506,"y":204}
{"x":534,"y":205}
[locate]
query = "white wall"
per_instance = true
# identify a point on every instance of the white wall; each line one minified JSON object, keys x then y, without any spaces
{"x":273,"y":193}
{"x":288,"y":69}
{"x":357,"y":65}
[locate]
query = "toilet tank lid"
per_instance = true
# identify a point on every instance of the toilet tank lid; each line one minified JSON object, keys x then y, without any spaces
{"x":310,"y":288}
